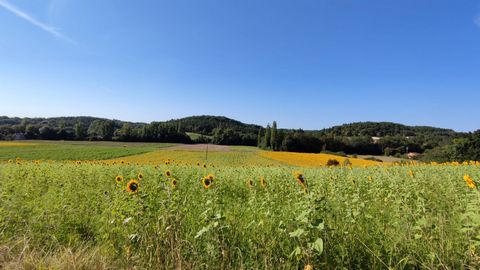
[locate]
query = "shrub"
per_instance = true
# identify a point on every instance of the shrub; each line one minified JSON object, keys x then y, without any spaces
{"x":333,"y":162}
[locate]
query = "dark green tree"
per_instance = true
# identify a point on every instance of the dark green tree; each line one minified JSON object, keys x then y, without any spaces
{"x":267,"y":138}
{"x":273,"y":136}
{"x":80,"y":132}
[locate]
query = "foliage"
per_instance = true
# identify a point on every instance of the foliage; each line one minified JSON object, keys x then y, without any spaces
{"x":342,"y":218}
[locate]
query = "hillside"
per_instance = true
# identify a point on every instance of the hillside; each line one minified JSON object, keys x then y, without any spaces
{"x":381,"y":129}
{"x":206,"y":124}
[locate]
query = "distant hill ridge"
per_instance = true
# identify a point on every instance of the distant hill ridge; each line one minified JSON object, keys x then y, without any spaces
{"x":205,"y":124}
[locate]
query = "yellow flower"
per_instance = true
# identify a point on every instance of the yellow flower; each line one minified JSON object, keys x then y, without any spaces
{"x":140,"y":176}
{"x":263,"y":183}
{"x":168,"y":173}
{"x":411,"y":173}
{"x":469,"y":180}
{"x":250,"y":183}
{"x":119,"y":179}
{"x":133,"y":186}
{"x":370,"y":178}
{"x":173,"y":183}
{"x":206,"y":182}
{"x":300,"y":178}
{"x":210,"y":177}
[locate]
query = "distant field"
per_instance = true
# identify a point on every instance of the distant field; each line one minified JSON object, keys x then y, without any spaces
{"x":66,"y":150}
{"x":196,"y":155}
{"x":195,"y":136}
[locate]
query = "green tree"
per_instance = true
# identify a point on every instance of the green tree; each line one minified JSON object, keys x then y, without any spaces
{"x":260,"y":138}
{"x":80,"y":132}
{"x":266,"y":139}
{"x":273,"y":136}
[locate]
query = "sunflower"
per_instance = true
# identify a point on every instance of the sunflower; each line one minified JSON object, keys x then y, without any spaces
{"x":263,"y":183}
{"x":133,"y":186}
{"x":205,"y":166}
{"x":198,"y":164}
{"x":250,"y":183}
{"x":300,"y":178}
{"x":370,"y":178}
{"x":122,"y":161}
{"x":119,"y":179}
{"x":210,"y":177}
{"x":168,"y":173}
{"x":308,"y":267}
{"x":305,"y":191}
{"x":411,"y":173}
{"x":173,"y":183}
{"x":469,"y":180}
{"x":206,"y":182}
{"x":140,"y":176}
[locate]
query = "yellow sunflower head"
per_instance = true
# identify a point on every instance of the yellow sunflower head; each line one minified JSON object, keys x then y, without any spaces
{"x":263,"y":183}
{"x":168,"y":173}
{"x":133,"y":186}
{"x":207,"y":183}
{"x":250,"y":183}
{"x":300,"y":178}
{"x":119,"y":179}
{"x":140,"y":176}
{"x":173,"y":183}
{"x":211,"y":177}
{"x":469,"y":181}
{"x":205,"y":166}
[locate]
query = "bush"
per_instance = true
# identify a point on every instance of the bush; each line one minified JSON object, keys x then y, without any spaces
{"x":333,"y":162}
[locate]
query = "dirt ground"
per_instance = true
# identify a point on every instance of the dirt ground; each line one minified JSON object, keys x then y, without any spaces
{"x":200,"y":147}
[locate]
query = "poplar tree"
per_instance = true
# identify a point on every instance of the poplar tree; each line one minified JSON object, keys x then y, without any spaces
{"x":268,"y":134}
{"x":260,"y":137}
{"x":273,"y":136}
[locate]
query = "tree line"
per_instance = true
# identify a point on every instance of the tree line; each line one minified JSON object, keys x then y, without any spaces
{"x":366,"y":138}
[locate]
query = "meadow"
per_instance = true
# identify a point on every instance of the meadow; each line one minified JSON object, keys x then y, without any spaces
{"x":240,"y":209}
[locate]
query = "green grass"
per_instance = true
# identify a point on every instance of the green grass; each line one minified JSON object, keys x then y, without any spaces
{"x":45,"y":150}
{"x":346,"y":221}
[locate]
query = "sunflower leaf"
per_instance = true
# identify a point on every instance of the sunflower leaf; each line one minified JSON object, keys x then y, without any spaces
{"x":297,"y":233}
{"x":202,"y":231}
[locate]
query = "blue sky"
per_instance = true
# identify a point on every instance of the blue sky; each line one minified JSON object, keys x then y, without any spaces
{"x":306,"y":63}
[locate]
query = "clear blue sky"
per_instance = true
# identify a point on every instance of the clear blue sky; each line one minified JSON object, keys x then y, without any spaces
{"x":305,"y":63}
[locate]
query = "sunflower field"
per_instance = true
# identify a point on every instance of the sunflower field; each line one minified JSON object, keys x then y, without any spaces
{"x":179,"y":215}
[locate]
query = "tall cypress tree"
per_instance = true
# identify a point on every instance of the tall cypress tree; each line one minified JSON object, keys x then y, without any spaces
{"x":260,"y":137}
{"x":273,"y":136}
{"x":268,"y":134}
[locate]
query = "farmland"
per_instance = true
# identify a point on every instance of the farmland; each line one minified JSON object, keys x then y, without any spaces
{"x":108,"y":205}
